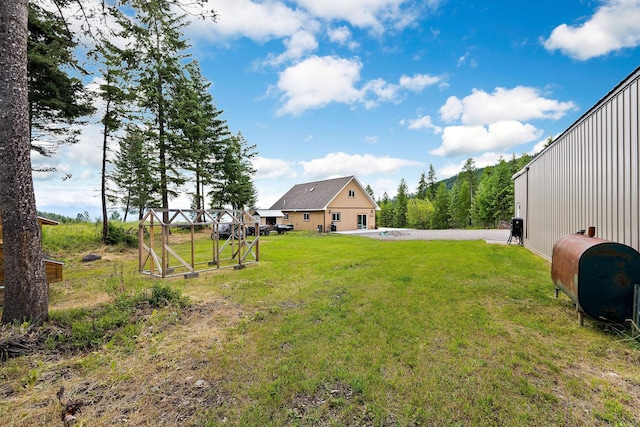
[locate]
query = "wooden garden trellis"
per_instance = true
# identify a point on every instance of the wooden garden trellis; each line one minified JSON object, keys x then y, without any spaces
{"x":157,"y":255}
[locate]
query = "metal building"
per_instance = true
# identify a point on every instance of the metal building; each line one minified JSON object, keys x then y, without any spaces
{"x":589,"y":176}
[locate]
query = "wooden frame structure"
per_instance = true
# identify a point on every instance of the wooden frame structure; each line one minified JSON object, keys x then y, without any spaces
{"x":227,"y":230}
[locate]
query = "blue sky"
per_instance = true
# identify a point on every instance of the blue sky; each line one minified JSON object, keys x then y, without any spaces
{"x":381,"y":89}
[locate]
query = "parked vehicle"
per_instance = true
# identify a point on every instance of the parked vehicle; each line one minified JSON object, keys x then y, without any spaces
{"x":264,"y":230}
{"x":283,"y":228}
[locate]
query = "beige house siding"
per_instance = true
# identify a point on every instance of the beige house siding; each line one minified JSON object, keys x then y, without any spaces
{"x":347,"y":198}
{"x":297,"y":220}
{"x":589,"y":176}
{"x":350,"y":207}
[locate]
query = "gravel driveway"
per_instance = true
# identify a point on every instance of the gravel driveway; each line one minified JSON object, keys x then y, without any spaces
{"x":490,"y":236}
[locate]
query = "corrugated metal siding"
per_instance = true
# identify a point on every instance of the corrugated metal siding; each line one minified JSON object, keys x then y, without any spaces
{"x":588,"y":177}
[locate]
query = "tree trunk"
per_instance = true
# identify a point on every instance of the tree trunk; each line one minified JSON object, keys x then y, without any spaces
{"x":26,"y":290}
{"x":103,"y":175}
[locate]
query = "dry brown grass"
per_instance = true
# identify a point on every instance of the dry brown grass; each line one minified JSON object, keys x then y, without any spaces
{"x":164,"y":382}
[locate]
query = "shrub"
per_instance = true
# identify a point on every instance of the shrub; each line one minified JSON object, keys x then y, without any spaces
{"x":117,"y":236}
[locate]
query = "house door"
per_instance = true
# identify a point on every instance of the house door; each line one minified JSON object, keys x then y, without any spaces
{"x":362,"y":221}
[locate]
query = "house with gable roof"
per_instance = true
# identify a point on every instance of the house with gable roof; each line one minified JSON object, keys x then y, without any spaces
{"x":338,"y":204}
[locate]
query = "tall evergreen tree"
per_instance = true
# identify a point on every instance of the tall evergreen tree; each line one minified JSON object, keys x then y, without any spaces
{"x":203,"y":133}
{"x":26,"y":290}
{"x":133,"y":174}
{"x":460,"y":207}
{"x":482,"y":208}
{"x":423,"y":188}
{"x":233,"y":186}
{"x":386,"y":211}
{"x":116,"y":99}
{"x":56,"y":100}
{"x":369,"y":191}
{"x":495,"y":196}
{"x":400,"y":205}
{"x":26,"y":295}
{"x":432,"y":184}
{"x":160,"y":50}
{"x":440,"y":218}
{"x":469,"y":175}
{"x":504,"y":192}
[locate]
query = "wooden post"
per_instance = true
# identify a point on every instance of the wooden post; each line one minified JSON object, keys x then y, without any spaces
{"x":152,"y":242}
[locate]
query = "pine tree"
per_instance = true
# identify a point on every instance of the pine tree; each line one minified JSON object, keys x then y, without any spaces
{"x":432,"y":184}
{"x":460,"y":207}
{"x":160,"y":49}
{"x":386,"y":211}
{"x":233,"y":186}
{"x":400,"y":206}
{"x":56,"y":99}
{"x":116,"y":99}
{"x":26,"y":295}
{"x":203,"y":134}
{"x":133,"y":174}
{"x":369,"y":191}
{"x":423,"y":188}
{"x":440,"y":218}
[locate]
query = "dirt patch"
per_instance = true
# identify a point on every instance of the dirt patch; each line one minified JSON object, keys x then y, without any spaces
{"x":167,"y":379}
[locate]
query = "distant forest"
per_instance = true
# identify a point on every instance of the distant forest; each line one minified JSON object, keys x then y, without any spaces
{"x":475,"y":198}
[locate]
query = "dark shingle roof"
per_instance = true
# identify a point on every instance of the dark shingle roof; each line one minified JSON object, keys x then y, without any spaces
{"x":310,"y":196}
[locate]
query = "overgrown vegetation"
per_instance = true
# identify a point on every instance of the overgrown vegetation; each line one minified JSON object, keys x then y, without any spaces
{"x":87,"y":328}
{"x":78,"y":237}
{"x":388,"y":333}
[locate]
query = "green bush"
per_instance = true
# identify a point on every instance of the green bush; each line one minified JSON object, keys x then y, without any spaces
{"x":117,"y":236}
{"x":163,"y":295}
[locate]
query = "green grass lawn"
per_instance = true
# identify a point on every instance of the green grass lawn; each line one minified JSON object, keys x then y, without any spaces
{"x":336,"y":330}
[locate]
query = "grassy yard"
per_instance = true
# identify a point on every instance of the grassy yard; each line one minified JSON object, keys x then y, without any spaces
{"x":331,"y":330}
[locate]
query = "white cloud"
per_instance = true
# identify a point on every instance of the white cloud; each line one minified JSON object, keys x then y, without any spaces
{"x":318,"y":81}
{"x":381,"y":90}
{"x":259,"y":21}
{"x":418,"y":82}
{"x":297,"y":46}
{"x":342,"y":37}
{"x":495,"y":121}
{"x":424,"y":122}
{"x":343,"y":164}
{"x":614,"y":26}
{"x":468,"y":140}
{"x":272,"y":168}
{"x":361,"y":13}
{"x":520,"y":103}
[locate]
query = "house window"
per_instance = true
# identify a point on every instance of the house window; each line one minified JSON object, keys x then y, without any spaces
{"x":335,"y":217}
{"x":352,"y":193}
{"x":286,"y":217}
{"x":305,"y":216}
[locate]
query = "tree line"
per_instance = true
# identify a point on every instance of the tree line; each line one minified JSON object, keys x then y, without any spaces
{"x":162,"y":133}
{"x":475,"y":198}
